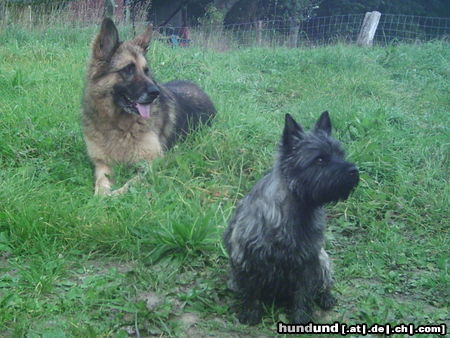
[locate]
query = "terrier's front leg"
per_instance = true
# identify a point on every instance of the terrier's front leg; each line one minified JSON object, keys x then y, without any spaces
{"x":306,"y":283}
{"x":301,"y":309}
{"x":251,"y":313}
{"x":324,"y":299}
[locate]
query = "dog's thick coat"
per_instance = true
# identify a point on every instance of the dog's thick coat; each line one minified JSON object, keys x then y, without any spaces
{"x":275,"y":239}
{"x":126,"y":115}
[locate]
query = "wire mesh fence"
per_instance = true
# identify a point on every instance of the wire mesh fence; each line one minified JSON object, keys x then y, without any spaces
{"x":273,"y":33}
{"x":410,"y":28}
{"x":312,"y":32}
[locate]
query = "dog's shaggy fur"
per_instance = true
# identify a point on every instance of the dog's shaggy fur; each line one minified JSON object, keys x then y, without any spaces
{"x":275,"y":240}
{"x":126,"y":115}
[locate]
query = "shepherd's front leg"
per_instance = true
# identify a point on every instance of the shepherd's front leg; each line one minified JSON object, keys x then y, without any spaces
{"x":102,"y":181}
{"x":152,"y":150}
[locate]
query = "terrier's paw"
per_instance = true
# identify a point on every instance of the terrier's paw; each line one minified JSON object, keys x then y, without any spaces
{"x":326,"y":301}
{"x":301,"y":316}
{"x":250,"y":316}
{"x":232,"y":285}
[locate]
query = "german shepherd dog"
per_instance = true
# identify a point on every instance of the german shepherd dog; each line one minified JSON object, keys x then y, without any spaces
{"x":126,"y":115}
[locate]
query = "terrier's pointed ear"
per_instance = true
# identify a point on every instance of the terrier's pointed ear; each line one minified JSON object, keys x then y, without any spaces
{"x":292,"y":131}
{"x":324,"y":123}
{"x":107,"y":41}
{"x":143,"y":39}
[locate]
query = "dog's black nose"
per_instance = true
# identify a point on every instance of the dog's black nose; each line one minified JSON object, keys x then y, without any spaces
{"x":150,"y":94}
{"x":353,"y":170}
{"x":153,"y":91}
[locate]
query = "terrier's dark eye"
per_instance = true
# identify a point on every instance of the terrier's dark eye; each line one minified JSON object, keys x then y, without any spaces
{"x":146,"y":70}
{"x":320,"y":160}
{"x":128,"y":70}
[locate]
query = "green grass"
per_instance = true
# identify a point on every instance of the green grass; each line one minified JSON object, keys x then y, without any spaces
{"x":72,"y":264}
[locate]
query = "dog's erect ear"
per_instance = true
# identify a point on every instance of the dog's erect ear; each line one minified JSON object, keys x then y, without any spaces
{"x":324,"y":123}
{"x":107,"y":40}
{"x":143,"y":40}
{"x":292,"y":132}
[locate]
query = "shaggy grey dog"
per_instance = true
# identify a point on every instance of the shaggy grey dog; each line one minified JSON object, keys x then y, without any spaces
{"x":275,"y":238}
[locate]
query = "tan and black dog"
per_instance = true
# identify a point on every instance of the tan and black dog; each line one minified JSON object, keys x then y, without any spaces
{"x":127,"y":116}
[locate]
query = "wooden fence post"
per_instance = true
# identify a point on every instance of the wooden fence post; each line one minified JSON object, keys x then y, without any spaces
{"x":127,"y":11}
{"x":108,"y":10}
{"x":3,"y":14}
{"x":368,"y":29}
{"x":30,"y":11}
{"x":259,"y":26}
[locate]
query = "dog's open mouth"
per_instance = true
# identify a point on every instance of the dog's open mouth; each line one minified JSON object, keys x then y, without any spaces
{"x":144,"y":110}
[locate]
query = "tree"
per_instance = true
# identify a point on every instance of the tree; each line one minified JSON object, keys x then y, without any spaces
{"x":238,"y":11}
{"x":297,"y":10}
{"x":251,"y":10}
{"x":411,"y":7}
{"x":42,"y":3}
{"x":224,"y":5}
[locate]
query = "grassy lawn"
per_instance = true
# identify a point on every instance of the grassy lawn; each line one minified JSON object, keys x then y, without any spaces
{"x":151,"y":262}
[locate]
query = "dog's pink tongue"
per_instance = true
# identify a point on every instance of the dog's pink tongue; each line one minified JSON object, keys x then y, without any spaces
{"x":144,"y":110}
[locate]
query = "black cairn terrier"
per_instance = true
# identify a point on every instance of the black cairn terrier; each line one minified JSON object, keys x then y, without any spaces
{"x":275,"y":239}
